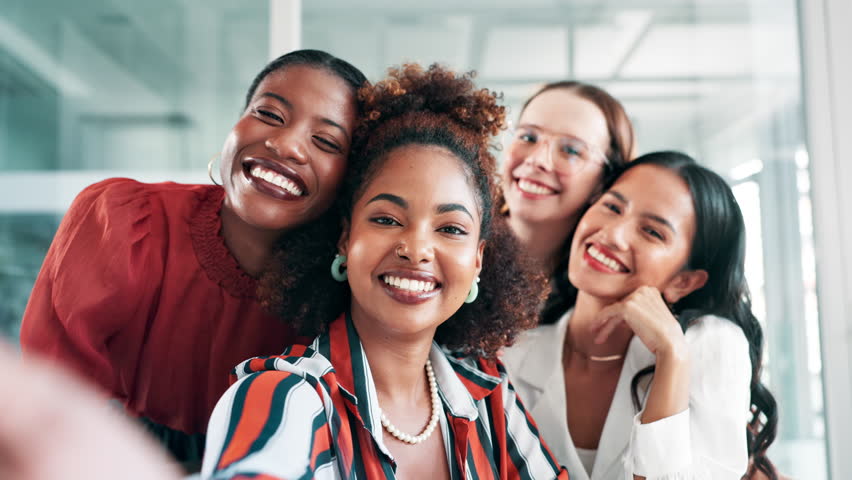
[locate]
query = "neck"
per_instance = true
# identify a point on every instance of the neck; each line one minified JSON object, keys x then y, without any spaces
{"x":250,"y":246}
{"x":543,"y":241}
{"x":580,"y":336}
{"x":397,"y":362}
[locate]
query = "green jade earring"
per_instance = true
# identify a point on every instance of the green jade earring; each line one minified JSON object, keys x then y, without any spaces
{"x":474,"y":291}
{"x":336,"y":272}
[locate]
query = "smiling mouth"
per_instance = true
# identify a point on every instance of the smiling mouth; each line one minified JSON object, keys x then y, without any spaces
{"x":274,"y":179}
{"x":603,"y":259}
{"x":410,"y":291}
{"x":409,"y":285}
{"x":527,"y":186}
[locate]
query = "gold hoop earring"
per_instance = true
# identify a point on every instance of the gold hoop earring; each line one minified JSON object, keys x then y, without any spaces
{"x":210,"y":170}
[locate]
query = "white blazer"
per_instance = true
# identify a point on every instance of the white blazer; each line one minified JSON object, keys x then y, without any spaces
{"x":706,"y":441}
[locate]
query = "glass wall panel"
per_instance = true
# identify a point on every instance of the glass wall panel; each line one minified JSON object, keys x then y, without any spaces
{"x":98,"y":88}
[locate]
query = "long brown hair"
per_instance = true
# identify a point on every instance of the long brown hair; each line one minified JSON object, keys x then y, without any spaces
{"x":621,"y":149}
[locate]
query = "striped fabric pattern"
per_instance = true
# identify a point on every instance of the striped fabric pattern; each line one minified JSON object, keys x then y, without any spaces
{"x":312,"y":412}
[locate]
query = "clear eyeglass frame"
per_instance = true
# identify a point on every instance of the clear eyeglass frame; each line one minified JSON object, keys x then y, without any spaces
{"x":586,"y":155}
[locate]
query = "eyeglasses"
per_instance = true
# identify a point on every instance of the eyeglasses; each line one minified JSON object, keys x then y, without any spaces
{"x":572,"y":154}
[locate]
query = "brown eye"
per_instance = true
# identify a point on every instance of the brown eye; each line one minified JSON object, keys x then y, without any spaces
{"x":612,"y":207}
{"x":650,"y":231}
{"x":452,"y":230}
{"x":385,"y":220}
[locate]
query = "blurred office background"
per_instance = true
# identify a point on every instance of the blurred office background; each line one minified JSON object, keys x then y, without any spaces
{"x":97,"y":88}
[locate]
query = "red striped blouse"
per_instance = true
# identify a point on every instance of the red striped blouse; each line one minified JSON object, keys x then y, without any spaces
{"x":312,"y":413}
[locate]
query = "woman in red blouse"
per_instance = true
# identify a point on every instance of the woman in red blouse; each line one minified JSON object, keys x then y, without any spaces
{"x":149,"y":289}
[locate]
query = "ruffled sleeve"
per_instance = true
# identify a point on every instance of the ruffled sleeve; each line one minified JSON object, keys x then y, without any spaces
{"x":99,"y":283}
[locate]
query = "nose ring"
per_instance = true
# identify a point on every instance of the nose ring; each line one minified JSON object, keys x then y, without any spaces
{"x":401,"y":250}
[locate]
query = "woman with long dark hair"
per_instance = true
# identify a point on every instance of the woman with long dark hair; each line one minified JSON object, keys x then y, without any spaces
{"x":655,"y":372}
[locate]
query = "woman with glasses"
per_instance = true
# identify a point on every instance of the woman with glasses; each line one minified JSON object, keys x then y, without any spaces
{"x":570,"y":136}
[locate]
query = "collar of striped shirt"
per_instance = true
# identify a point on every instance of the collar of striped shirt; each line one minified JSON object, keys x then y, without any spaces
{"x":462,"y":380}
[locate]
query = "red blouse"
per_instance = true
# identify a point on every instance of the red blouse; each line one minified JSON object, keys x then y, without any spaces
{"x":139,"y":293}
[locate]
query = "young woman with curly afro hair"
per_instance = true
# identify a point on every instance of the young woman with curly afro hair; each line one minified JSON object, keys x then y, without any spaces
{"x":402,"y":379}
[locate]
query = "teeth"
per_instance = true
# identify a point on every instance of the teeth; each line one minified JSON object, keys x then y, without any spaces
{"x":409,"y":284}
{"x":534,"y":188}
{"x":599,"y":256}
{"x":276,"y":179}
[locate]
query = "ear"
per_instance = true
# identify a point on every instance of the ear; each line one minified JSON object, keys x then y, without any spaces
{"x":683,"y":284}
{"x":343,"y":241}
{"x":479,"y":253}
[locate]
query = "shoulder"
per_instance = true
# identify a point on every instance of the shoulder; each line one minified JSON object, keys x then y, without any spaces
{"x":261,"y":393}
{"x":301,"y":360}
{"x":711,"y":336}
{"x":719,"y":356}
{"x":117,"y":194}
{"x":536,"y":348}
{"x":122,"y":211}
{"x":259,"y":414}
{"x":265,"y":385}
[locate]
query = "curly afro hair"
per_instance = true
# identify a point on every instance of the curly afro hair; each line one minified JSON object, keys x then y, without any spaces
{"x":429,"y":107}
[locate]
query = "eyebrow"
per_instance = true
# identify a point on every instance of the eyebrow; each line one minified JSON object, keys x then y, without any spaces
{"x":324,"y":120}
{"x":650,"y":216}
{"x":390,"y":198}
{"x":277,"y":97}
{"x":453,"y":207}
{"x":442,"y":208}
{"x":547,"y":130}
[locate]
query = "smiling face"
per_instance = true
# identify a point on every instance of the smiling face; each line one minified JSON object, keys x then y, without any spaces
{"x":639,"y":233}
{"x":284,"y":160}
{"x":412,"y":243}
{"x":542,"y":182}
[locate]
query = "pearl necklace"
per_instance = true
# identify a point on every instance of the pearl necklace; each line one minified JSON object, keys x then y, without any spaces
{"x":433,"y":420}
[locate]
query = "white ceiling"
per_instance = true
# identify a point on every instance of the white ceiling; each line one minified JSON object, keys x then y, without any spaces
{"x":687,"y":70}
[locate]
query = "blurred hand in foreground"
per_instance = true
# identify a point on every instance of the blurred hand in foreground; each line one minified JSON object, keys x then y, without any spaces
{"x":53,"y":425}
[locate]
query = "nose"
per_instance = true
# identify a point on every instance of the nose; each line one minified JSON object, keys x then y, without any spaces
{"x":616,"y":234}
{"x":416,"y":247}
{"x":288,"y":143}
{"x":541,"y":156}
